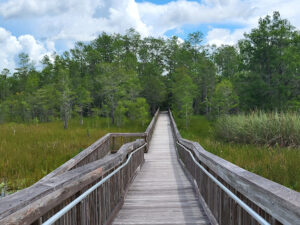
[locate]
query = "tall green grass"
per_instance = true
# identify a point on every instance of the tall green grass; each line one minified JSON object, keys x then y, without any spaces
{"x":260,"y":128}
{"x":279,"y":164}
{"x":30,"y":151}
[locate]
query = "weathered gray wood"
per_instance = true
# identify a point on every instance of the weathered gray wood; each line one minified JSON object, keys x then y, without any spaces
{"x":150,"y":128}
{"x":161,"y":193}
{"x":29,"y":213}
{"x":19,"y":205}
{"x":72,"y":162}
{"x":276,"y":203}
{"x":80,"y":159}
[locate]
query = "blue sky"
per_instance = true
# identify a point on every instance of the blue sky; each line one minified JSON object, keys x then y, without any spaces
{"x":41,"y":27}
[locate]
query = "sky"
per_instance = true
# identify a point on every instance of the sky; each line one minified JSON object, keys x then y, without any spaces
{"x":41,"y":27}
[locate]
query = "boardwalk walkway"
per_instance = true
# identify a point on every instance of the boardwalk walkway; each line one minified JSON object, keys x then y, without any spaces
{"x":161,"y":193}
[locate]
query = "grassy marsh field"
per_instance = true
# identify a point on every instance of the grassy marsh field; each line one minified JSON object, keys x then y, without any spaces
{"x":30,"y":151}
{"x":279,"y":164}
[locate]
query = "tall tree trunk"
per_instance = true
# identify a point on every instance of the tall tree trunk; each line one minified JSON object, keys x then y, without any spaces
{"x":81,"y":117}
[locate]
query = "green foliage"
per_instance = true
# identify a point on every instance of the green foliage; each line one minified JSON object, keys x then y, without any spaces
{"x":114,"y":69}
{"x":120,"y":114}
{"x":271,"y":129}
{"x":278,"y":164}
{"x":183,"y":91}
{"x":137,"y":110}
{"x":224,"y":99}
{"x":227,"y":61}
{"x":30,"y":151}
{"x":270,"y":58}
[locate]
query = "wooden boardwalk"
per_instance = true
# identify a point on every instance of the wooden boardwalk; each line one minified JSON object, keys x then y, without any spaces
{"x":161,"y":193}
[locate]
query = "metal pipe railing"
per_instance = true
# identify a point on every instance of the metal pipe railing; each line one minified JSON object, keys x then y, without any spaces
{"x":256,"y":216}
{"x":68,"y":207}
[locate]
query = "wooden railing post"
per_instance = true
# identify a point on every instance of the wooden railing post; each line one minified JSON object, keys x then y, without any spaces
{"x":40,"y":200}
{"x":275,"y":203}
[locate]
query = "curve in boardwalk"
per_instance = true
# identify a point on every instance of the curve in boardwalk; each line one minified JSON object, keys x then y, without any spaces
{"x":161,"y":193}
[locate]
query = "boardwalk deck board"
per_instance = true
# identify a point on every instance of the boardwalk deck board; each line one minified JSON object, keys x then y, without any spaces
{"x":161,"y":193}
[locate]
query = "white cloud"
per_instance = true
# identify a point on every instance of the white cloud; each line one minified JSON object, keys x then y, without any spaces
{"x":68,"y":21}
{"x":31,"y":8}
{"x":34,"y":49}
{"x":76,"y":20}
{"x":179,"y":13}
{"x":11,"y":46}
{"x":220,"y":36}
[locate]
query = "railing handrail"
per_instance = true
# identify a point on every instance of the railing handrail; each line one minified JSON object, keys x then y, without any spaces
{"x":84,"y":153}
{"x":151,"y":124}
{"x":24,"y":198}
{"x":68,"y":207}
{"x":280,"y":202}
{"x":257,"y":217}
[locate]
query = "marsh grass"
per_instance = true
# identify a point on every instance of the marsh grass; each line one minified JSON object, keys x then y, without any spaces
{"x":260,"y":128}
{"x":279,"y":164}
{"x":30,"y":151}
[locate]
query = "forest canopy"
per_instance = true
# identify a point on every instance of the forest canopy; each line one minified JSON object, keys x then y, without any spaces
{"x":127,"y":77}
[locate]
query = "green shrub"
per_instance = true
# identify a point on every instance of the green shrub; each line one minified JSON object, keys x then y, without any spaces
{"x":279,"y":164}
{"x":260,"y":128}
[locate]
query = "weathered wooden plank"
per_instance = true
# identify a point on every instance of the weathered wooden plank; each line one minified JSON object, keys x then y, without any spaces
{"x":42,"y":205}
{"x":161,"y":193}
{"x":18,"y":207}
{"x":276,"y":203}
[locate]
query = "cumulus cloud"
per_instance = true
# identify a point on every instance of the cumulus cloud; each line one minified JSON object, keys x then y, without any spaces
{"x":219,"y":36}
{"x":68,"y":21}
{"x":76,"y":20}
{"x":31,"y":8}
{"x":11,"y":46}
{"x":179,"y":13}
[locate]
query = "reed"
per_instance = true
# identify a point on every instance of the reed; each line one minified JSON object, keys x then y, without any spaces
{"x":260,"y":128}
{"x":30,"y":151}
{"x":279,"y":164}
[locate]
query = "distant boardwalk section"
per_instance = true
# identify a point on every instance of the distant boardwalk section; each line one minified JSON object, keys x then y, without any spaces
{"x":161,"y":193}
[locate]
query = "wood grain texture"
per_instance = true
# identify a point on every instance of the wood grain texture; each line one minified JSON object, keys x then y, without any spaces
{"x":274,"y":202}
{"x":46,"y":198}
{"x":43,"y":199}
{"x":161,"y":193}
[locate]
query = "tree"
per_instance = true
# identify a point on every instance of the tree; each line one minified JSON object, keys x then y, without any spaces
{"x":227,"y":61}
{"x":4,"y":85}
{"x":45,"y":103}
{"x":116,"y":85}
{"x":65,"y":95}
{"x":270,"y":53}
{"x":82,"y":100}
{"x":153,"y":87}
{"x":183,"y":92}
{"x":224,"y":99}
{"x":138,"y":110}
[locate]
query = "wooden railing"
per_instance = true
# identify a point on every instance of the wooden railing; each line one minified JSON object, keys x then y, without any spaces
{"x":150,"y":128}
{"x":35,"y":204}
{"x":275,"y":203}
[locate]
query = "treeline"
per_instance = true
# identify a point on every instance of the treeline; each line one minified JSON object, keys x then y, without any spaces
{"x":126,"y":77}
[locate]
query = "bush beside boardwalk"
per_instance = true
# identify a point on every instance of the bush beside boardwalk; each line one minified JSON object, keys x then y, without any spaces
{"x":279,"y":164}
{"x":271,"y":129}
